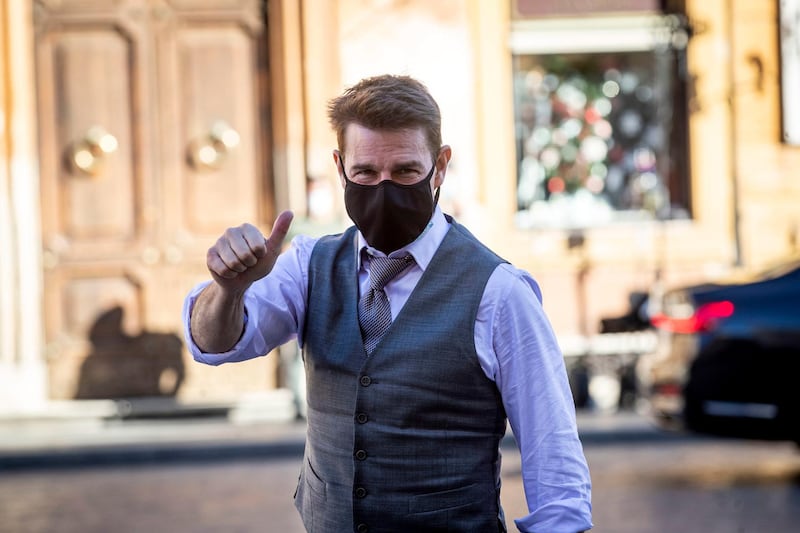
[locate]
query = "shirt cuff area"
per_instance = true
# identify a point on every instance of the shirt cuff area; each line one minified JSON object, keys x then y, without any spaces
{"x":214,"y":359}
{"x":567,"y":516}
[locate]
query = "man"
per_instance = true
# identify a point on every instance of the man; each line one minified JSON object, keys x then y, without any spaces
{"x":417,"y":340}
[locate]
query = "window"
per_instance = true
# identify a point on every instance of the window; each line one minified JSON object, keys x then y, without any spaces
{"x":600,"y":119}
{"x":790,"y":69}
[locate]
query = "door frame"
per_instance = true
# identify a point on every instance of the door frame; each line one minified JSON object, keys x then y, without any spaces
{"x":23,"y":368}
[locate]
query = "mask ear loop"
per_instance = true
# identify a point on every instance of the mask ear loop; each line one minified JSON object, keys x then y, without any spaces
{"x":341,"y":165}
{"x":438,"y":189}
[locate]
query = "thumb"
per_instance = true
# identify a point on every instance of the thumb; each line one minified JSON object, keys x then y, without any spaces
{"x":279,"y":230}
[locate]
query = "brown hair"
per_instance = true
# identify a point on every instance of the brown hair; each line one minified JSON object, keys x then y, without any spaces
{"x":387,"y":102}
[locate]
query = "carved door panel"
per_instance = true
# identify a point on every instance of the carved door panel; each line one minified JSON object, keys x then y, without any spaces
{"x":214,"y":151}
{"x":150,"y":143}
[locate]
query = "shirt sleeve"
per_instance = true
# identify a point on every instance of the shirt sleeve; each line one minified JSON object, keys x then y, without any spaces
{"x":274,"y":308}
{"x":531,"y":376}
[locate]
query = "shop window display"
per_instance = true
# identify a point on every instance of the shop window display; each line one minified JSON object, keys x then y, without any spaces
{"x":595,"y":139}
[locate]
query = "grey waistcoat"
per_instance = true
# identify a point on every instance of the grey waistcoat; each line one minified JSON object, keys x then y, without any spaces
{"x":405,"y":440}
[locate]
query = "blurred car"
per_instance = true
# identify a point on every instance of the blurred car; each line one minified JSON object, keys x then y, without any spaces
{"x":728,"y":357}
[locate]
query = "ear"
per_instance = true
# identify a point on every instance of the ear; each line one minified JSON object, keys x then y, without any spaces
{"x":442,"y":160}
{"x":339,"y":162}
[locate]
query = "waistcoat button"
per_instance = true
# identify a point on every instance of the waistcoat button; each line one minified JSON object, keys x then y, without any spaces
{"x":361,"y":455}
{"x":362,"y":528}
{"x":361,"y":492}
{"x":366,"y":381}
{"x":362,"y":418}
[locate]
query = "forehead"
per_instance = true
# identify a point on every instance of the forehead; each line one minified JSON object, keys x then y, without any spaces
{"x":363,"y":143}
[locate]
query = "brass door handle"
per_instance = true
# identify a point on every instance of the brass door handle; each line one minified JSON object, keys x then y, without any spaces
{"x":210,"y":151}
{"x":88,"y":154}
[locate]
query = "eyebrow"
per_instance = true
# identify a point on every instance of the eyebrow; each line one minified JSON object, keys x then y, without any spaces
{"x":398,"y":166}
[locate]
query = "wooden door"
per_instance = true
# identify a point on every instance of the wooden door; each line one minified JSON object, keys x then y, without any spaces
{"x":152,"y":143}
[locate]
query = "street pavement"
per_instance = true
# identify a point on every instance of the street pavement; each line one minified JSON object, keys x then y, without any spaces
{"x":204,"y":470}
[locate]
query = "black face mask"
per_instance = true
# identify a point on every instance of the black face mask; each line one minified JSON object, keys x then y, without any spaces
{"x":390,"y":215}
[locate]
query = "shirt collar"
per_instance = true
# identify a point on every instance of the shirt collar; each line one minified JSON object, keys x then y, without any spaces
{"x":423,"y":247}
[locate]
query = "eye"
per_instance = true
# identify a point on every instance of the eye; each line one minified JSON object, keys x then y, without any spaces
{"x":364,"y":175}
{"x":407,"y":174}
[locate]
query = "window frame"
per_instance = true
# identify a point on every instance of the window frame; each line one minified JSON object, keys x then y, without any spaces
{"x":643,"y":32}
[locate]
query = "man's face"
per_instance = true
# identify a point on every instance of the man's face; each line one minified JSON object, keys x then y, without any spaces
{"x":372,"y":156}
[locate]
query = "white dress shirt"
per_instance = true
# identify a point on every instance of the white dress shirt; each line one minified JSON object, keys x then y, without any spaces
{"x":515,"y":344}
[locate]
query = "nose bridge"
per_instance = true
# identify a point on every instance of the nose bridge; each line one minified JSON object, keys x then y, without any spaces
{"x":385,"y":174}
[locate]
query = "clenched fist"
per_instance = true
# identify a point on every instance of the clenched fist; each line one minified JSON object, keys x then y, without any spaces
{"x":243,"y":255}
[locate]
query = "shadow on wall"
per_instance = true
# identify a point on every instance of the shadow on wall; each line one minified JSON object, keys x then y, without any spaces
{"x":124,"y":366}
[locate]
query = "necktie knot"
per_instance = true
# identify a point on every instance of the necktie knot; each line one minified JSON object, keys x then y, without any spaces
{"x":383,"y":269}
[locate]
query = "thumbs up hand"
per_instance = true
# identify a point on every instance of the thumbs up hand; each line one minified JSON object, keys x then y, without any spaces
{"x":242,"y":255}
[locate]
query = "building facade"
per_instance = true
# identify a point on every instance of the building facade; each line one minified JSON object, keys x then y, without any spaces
{"x":607,"y":146}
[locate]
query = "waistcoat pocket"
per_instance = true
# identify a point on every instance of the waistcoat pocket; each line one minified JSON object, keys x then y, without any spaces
{"x":313,"y":481}
{"x":448,"y":499}
{"x":310,"y":496}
